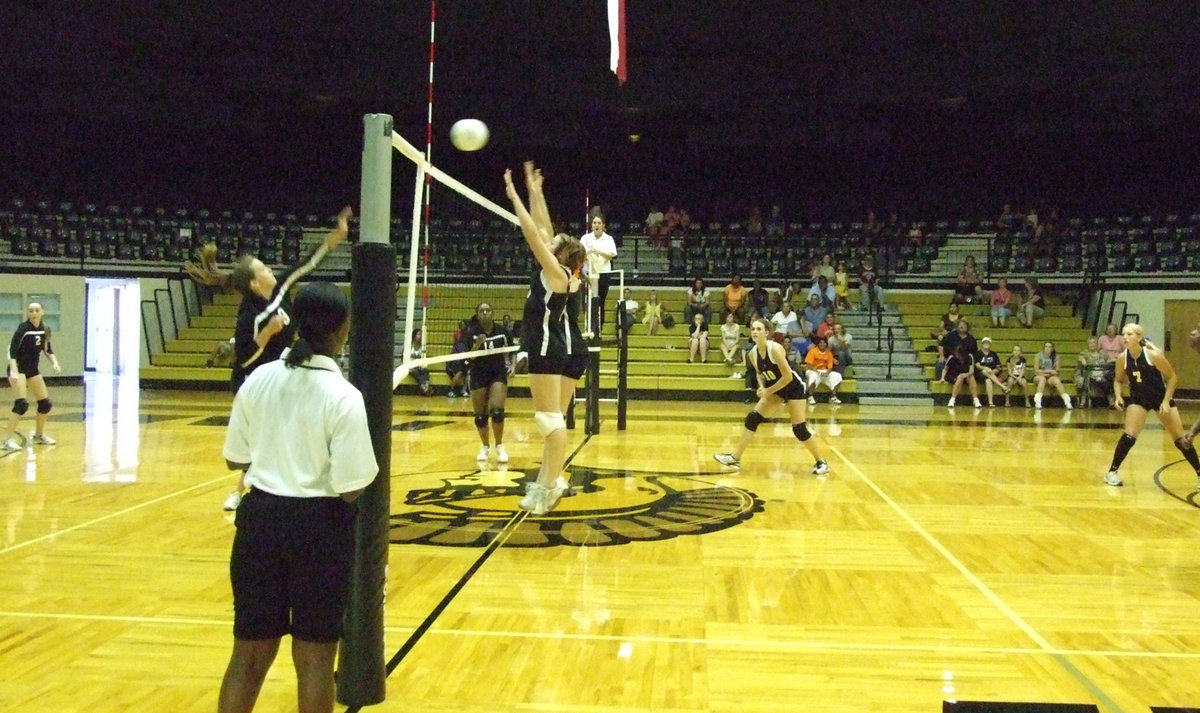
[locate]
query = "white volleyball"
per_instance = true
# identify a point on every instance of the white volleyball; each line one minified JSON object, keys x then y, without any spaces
{"x":469,"y":134}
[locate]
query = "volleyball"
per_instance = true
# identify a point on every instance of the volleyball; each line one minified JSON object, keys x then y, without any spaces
{"x":469,"y":134}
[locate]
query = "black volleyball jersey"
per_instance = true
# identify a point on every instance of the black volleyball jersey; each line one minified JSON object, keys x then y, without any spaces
{"x":497,"y":337}
{"x":573,"y":309}
{"x":768,"y":369}
{"x":543,"y":322}
{"x":1146,"y":382}
{"x":27,"y":345}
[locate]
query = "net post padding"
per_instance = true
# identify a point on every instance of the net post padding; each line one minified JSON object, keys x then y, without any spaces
{"x":362,"y":669}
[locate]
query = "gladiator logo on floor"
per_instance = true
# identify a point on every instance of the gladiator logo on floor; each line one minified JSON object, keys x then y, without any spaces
{"x":606,"y":507}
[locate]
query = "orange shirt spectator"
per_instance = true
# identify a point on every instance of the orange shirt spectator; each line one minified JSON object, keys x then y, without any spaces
{"x":819,"y":360}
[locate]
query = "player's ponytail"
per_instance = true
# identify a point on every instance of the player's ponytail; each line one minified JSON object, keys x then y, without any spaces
{"x":321,"y":310}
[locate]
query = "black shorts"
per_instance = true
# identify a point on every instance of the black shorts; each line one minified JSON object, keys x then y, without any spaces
{"x":793,"y":391}
{"x":1150,"y":401}
{"x":28,"y":374}
{"x":481,"y":378}
{"x":552,"y":363}
{"x":577,"y":364}
{"x":290,"y":567}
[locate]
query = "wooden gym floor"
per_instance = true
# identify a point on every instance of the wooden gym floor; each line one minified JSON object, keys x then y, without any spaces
{"x":963,"y":556}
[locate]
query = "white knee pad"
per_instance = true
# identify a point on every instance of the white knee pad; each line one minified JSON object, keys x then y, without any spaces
{"x":549,"y":421}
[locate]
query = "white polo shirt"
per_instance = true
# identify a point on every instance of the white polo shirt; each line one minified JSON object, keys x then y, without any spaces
{"x":303,"y":431}
{"x":604,"y":244}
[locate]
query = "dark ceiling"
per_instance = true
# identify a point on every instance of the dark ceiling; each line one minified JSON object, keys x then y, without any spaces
{"x":820,"y":106}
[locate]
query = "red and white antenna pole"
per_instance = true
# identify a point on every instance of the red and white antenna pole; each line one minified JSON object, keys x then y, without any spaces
{"x":428,"y":159}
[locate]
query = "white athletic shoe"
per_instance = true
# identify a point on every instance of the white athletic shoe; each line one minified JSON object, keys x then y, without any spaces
{"x":820,"y":468}
{"x":978,"y":404}
{"x":950,"y":403}
{"x":484,"y":451}
{"x":501,"y":453}
{"x":539,"y":499}
{"x":11,"y":445}
{"x":1112,"y":478}
{"x":834,"y":400}
{"x":1067,"y":402}
{"x":1037,"y":400}
{"x":563,"y":484}
{"x":232,"y":502}
{"x":533,"y":497}
{"x":727,"y":459}
{"x":812,"y":400}
{"x":42,"y":439}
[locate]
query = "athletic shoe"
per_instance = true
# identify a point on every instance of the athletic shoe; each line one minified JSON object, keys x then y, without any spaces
{"x":834,"y":400}
{"x":1111,"y":478}
{"x":812,"y":400}
{"x":483,"y":453}
{"x":977,"y":404}
{"x":820,"y":468}
{"x":501,"y":453}
{"x":550,"y":498}
{"x":950,"y":403}
{"x":727,"y":459}
{"x":11,"y":445}
{"x":1067,"y":402}
{"x":1037,"y":400}
{"x":232,"y":502}
{"x":42,"y":439}
{"x":533,"y":496}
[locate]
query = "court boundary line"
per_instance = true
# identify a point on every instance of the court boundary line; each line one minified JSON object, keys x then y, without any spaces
{"x":983,"y":589}
{"x":110,"y":516}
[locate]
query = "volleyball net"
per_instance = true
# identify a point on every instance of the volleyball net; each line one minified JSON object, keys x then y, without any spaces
{"x":463,"y":250}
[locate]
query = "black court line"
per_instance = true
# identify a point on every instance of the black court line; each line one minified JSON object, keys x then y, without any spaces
{"x":495,"y":544}
{"x":1193,"y":497}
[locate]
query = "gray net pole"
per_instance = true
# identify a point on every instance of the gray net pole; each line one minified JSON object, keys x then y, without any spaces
{"x":361,"y":667}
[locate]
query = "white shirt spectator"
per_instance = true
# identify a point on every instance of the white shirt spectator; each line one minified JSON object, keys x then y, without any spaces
{"x":321,"y":450}
{"x":601,"y":251}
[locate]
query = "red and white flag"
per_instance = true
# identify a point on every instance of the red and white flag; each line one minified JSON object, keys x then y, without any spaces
{"x":616,"y":36}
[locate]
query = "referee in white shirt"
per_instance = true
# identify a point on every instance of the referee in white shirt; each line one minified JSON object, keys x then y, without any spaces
{"x":601,"y":249}
{"x":299,"y":431}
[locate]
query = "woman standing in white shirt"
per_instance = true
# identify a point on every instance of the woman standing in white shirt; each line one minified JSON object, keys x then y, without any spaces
{"x":601,"y":250}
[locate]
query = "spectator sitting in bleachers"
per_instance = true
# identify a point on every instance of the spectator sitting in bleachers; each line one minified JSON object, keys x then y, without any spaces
{"x":731,"y":342}
{"x":841,"y":343}
{"x":654,"y":313}
{"x":960,"y":336}
{"x":698,"y":340}
{"x":1046,"y":375}
{"x":948,"y":324}
{"x":735,"y":300}
{"x":697,"y":301}
{"x":1015,"y":375}
{"x":1111,"y":342}
{"x":869,"y":290}
{"x":675,"y":220}
{"x":824,"y":269}
{"x":1094,"y":374}
{"x":841,"y":287}
{"x":989,"y":371}
{"x":959,"y":370}
{"x":815,"y":312}
{"x":754,"y":222}
{"x":1033,"y":304}
{"x":819,"y":369}
{"x":968,"y":285}
{"x":1002,"y":299}
{"x":759,"y":300}
{"x":825,"y":328}
{"x":776,"y":225}
{"x":825,"y":292}
{"x":655,"y":221}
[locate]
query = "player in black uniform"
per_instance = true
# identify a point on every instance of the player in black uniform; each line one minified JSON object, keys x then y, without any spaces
{"x":263,"y":329}
{"x":544,"y":334}
{"x":488,"y":379}
{"x":1152,"y":383}
{"x":24,"y":351}
{"x":777,"y":384}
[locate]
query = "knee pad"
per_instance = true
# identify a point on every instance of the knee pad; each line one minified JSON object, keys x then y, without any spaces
{"x":498,"y":415}
{"x":481,"y":420}
{"x":549,"y":421}
{"x":801,"y":431}
{"x":753,"y":420}
{"x":20,"y":406}
{"x":44,"y":405}
{"x":1128,"y":440}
